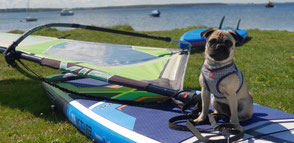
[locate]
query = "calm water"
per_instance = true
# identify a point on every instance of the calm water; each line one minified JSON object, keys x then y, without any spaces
{"x":253,"y":16}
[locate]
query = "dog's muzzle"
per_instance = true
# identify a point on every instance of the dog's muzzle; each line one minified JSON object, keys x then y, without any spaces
{"x":219,"y":52}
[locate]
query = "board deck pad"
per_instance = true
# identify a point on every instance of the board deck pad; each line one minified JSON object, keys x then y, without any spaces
{"x":113,"y":122}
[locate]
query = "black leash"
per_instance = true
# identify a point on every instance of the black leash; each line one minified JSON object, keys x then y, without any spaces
{"x":231,"y":132}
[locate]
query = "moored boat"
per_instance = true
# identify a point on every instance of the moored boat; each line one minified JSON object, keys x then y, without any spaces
{"x":66,"y":12}
{"x":155,"y":13}
{"x":30,"y":19}
{"x":269,"y":4}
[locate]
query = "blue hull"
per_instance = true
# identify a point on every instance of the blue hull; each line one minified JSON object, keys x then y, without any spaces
{"x":194,"y":37}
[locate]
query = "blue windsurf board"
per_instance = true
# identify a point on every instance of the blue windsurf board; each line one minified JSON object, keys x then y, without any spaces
{"x":105,"y":121}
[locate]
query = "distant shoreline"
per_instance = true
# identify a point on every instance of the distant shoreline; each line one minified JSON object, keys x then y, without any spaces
{"x":110,"y":7}
{"x":130,"y":6}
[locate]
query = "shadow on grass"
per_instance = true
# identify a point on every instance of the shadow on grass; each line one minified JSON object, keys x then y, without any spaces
{"x":247,"y":39}
{"x":197,"y":50}
{"x":28,"y":96}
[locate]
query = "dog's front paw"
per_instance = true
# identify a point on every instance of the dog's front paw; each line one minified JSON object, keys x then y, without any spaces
{"x":199,"y":120}
{"x":238,"y":127}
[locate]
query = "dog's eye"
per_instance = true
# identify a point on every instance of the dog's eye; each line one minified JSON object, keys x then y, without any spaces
{"x":212,"y":41}
{"x":228,"y":43}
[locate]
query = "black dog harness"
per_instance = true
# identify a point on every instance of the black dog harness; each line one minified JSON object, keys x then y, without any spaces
{"x":212,"y":79}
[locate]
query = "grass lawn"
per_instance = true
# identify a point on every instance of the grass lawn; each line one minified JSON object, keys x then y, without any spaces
{"x":266,"y":60}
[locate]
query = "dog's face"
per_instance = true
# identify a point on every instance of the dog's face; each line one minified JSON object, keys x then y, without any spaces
{"x":220,"y":44}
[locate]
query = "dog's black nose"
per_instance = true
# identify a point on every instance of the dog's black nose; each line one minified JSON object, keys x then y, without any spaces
{"x":220,"y":46}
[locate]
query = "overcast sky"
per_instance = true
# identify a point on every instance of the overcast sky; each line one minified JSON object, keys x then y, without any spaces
{"x":103,"y":3}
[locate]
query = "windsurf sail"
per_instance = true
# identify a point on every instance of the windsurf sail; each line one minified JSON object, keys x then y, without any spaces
{"x":157,"y":70}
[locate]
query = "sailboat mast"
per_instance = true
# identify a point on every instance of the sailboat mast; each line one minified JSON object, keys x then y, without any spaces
{"x":27,"y":5}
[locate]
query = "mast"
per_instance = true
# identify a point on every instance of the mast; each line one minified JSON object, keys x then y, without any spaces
{"x":28,"y":5}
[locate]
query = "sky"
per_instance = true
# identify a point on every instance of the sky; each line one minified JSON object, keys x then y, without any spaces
{"x":104,"y":3}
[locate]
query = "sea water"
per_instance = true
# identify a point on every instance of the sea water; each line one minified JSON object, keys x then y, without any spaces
{"x":252,"y":16}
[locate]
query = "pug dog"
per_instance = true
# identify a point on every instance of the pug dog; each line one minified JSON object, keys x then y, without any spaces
{"x":221,"y":77}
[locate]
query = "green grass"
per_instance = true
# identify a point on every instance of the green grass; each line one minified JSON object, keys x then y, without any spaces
{"x":266,"y":60}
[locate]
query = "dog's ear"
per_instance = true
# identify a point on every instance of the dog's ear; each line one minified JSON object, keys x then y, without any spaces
{"x":236,"y":36}
{"x":207,"y":32}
